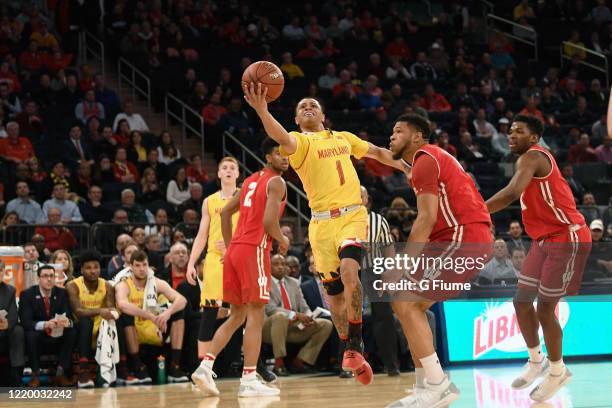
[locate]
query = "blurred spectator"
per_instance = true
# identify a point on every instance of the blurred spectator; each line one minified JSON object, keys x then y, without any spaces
{"x":106,"y":96}
{"x":236,"y":120}
{"x":68,"y":209}
{"x":434,"y":102}
{"x":396,"y":70}
{"x":56,"y":237}
{"x":104,"y":173}
{"x":599,"y":130}
{"x":75,"y":151}
{"x":194,"y":202}
{"x":161,"y":228}
{"x":523,"y":10}
{"x":515,"y":237}
{"x":604,"y":151}
{"x":398,"y":48}
{"x":28,"y":210}
{"x":310,"y":51}
{"x":150,"y":188}
{"x":178,"y":188}
{"x":577,"y":189}
{"x":9,"y":101}
{"x":30,"y":122}
{"x":7,"y":76}
{"x":581,"y":116}
{"x":122,"y":135}
{"x":571,"y":48}
{"x":467,"y":149}
{"x":64,"y":267}
{"x":15,"y":148}
{"x":328,"y":80}
{"x":500,"y":267}
{"x":213,"y":112}
{"x":601,"y":13}
{"x":517,"y":256}
{"x":136,"y":152}
{"x":135,"y":120}
{"x":174,"y":274}
{"x":596,"y":97}
{"x":195,"y":170}
{"x":82,"y":179}
{"x":443,"y":143}
{"x":68,"y":97}
{"x":118,"y":260}
{"x":138,"y":236}
{"x":531,"y":109}
{"x":589,"y":208}
{"x":369,"y":98}
{"x":599,"y":262}
{"x":291,"y":69}
{"x":168,"y":152}
{"x":422,"y":70}
{"x":484,"y":129}
{"x":136,"y":213}
{"x":499,"y":143}
{"x":32,"y":59}
{"x":463,"y":98}
{"x":582,"y":151}
{"x":92,"y":208}
{"x":89,"y":107}
{"x":199,"y":96}
{"x":11,"y":333}
{"x":501,"y":59}
{"x":124,"y":171}
{"x":154,"y":163}
{"x":293,"y":31}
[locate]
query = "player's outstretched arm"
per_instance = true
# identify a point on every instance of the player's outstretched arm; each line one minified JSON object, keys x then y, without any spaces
{"x":526,"y":167}
{"x":230,"y":209}
{"x":198,"y":243}
{"x":256,"y":97}
{"x":384,"y":156}
{"x":276,"y":193}
{"x":178,"y":301}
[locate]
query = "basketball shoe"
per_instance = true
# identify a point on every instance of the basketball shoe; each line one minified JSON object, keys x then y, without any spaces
{"x":531,"y":371}
{"x":550,"y":385}
{"x":255,"y":388}
{"x":203,"y":377}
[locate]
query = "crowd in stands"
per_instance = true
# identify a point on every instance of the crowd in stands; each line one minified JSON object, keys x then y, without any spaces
{"x":80,"y":168}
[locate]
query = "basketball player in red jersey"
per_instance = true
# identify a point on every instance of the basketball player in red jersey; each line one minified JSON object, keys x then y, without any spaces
{"x":555,"y":263}
{"x":246,"y":269}
{"x":451,"y":213}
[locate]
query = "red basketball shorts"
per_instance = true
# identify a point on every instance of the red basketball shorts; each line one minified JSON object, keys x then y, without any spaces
{"x":246,"y":274}
{"x":451,"y":258}
{"x":554,"y":265}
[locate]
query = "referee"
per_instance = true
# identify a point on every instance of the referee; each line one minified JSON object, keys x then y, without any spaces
{"x":383,"y":327}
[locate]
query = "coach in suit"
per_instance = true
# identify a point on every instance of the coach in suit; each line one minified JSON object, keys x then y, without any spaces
{"x":288,"y":320}
{"x":11,"y":333}
{"x":75,"y":150}
{"x":38,"y":307}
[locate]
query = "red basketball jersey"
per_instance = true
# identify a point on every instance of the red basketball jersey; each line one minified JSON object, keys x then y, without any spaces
{"x":459,"y":201}
{"x":547,"y":204}
{"x":253,"y":197}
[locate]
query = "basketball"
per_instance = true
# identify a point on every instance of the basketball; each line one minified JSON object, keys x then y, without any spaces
{"x":269,"y":75}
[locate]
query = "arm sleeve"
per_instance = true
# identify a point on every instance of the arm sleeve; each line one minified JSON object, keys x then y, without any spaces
{"x":425,"y":175}
{"x":302,"y":146}
{"x":359,"y":147}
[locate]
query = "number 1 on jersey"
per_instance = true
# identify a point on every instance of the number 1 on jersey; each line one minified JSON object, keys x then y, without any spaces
{"x":249,"y":194}
{"x":340,"y":172}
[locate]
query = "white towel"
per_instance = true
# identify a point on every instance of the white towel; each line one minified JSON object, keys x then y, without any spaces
{"x":150,"y":290}
{"x":107,"y":350}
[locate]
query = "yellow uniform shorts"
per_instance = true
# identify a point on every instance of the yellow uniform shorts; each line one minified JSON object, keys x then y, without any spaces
{"x":147,"y":332}
{"x":212,"y":288}
{"x":328,"y":237}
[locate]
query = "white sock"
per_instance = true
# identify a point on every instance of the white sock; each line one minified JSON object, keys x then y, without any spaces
{"x":208,"y":361}
{"x":420,"y":376}
{"x":433,"y":370}
{"x":557,"y":367}
{"x":535,"y":354}
{"x":251,"y":376}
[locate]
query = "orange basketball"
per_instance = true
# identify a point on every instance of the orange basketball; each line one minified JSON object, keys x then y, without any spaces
{"x":268,"y":74}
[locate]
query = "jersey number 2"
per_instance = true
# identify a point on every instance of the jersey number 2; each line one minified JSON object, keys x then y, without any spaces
{"x":340,"y":172}
{"x":249,"y":194}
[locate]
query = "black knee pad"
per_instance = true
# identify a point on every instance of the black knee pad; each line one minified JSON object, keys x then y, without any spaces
{"x":207,"y":323}
{"x":352,"y":252}
{"x":126,"y":320}
{"x":334,"y":287}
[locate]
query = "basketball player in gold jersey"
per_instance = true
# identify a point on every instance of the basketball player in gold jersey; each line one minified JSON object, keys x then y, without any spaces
{"x":209,"y":233}
{"x":322,"y":159}
{"x":92,"y":299}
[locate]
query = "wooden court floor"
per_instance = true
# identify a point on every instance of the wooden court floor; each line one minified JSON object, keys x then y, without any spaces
{"x":481,"y":387}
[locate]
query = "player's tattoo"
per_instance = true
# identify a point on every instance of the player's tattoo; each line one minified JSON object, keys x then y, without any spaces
{"x":340,"y":321}
{"x":356,"y":303}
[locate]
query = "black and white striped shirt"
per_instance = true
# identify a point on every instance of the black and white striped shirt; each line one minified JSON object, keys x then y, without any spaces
{"x":379,"y":235}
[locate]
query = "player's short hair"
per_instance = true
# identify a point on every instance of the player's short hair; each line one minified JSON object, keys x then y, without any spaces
{"x":139,"y":256}
{"x":533,"y":124}
{"x":89,"y":256}
{"x":44,"y":267}
{"x":319,"y":101}
{"x":416,"y":121}
{"x":268,"y":145}
{"x":228,"y":159}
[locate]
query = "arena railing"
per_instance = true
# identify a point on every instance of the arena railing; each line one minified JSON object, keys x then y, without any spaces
{"x":188,"y":119}
{"x":530,"y":38}
{"x":300,"y":203}
{"x":19,"y":234}
{"x":598,"y":61}
{"x":137,"y":80}
{"x":90,"y":45}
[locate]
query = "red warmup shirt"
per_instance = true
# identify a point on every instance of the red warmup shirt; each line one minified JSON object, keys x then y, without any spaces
{"x":547,"y":204}
{"x":435,"y":171}
{"x":253,"y":198}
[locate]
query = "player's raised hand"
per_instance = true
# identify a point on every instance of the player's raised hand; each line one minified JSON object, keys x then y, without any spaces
{"x":255,"y":95}
{"x":191,"y":274}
